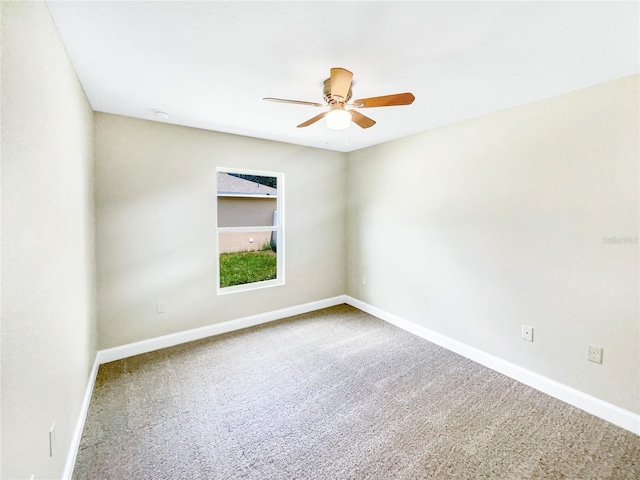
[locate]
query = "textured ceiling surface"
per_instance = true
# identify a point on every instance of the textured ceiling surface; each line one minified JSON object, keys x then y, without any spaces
{"x":209,"y":64}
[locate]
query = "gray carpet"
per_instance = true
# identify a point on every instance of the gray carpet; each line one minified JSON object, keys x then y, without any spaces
{"x":334,"y":394}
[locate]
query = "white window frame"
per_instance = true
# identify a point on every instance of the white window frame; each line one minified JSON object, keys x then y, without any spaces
{"x":278,"y":228}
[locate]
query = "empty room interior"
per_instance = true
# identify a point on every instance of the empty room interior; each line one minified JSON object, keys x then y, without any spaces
{"x":452,"y":212}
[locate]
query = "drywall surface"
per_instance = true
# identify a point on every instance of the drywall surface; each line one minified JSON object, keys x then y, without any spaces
{"x":48,"y":275}
{"x":156,"y":226}
{"x":527,"y":216}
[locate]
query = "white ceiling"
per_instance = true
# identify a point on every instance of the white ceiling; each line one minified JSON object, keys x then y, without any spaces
{"x":209,"y":64}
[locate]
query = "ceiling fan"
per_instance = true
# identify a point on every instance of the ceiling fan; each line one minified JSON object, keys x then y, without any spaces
{"x":337,"y":92}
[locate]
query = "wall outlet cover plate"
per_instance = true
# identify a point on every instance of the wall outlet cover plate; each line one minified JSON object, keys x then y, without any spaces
{"x":595,"y":354}
{"x":527,"y":333}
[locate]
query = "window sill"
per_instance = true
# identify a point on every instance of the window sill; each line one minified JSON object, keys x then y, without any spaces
{"x":250,"y":286}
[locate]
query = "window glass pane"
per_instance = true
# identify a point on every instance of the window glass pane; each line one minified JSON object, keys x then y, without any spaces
{"x":248,"y":229}
{"x":246,"y":257}
{"x":246,"y":203}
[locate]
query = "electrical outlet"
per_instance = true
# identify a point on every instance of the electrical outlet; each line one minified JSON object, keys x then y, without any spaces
{"x":364,"y":279}
{"x":52,"y":439}
{"x":527,"y":333}
{"x":595,"y":354}
{"x":162,"y":307}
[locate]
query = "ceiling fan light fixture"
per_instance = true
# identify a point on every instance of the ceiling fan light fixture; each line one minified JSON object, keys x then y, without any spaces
{"x":338,"y":119}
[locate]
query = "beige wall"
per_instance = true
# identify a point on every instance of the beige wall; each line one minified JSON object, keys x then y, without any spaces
{"x":156,"y":226}
{"x":505,"y":216}
{"x":48,"y":320}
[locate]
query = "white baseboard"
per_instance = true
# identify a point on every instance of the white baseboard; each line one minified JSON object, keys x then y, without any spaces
{"x":607,"y":411}
{"x":77,"y":433}
{"x":145,"y":346}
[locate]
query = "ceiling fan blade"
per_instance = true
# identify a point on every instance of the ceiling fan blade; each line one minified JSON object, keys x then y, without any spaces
{"x":361,"y":120}
{"x":312,"y":120}
{"x":385,"y":101}
{"x":297,"y":102}
{"x":340,"y":82}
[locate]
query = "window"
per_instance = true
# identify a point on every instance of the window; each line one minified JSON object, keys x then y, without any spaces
{"x":250,"y":229}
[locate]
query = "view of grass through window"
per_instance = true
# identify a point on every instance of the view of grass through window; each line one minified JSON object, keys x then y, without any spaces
{"x":248,"y":228}
{"x":247,"y":267}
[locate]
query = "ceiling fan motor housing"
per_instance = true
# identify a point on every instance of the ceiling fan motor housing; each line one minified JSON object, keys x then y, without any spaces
{"x":333,"y":100}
